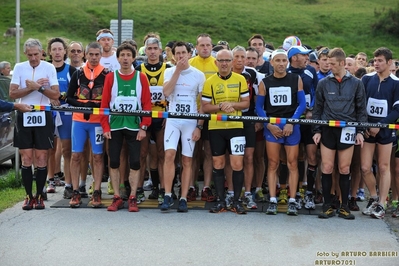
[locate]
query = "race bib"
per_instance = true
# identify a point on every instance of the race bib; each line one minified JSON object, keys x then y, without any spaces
{"x":377,"y":107}
{"x":237,"y":145}
{"x":184,"y":105}
{"x":126,"y":103}
{"x":156,"y":94}
{"x":280,"y":96}
{"x":307,"y":98}
{"x":34,"y":119}
{"x":348,"y":135}
{"x":99,"y":135}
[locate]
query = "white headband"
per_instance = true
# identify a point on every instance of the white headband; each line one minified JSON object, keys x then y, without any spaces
{"x":102,"y":35}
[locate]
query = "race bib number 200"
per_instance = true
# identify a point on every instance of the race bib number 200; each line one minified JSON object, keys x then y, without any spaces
{"x":34,"y":119}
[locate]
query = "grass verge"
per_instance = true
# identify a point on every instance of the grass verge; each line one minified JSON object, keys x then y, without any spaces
{"x":11,"y":190}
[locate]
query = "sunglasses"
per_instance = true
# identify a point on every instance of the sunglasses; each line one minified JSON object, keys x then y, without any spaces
{"x":76,"y":51}
{"x":324,"y":51}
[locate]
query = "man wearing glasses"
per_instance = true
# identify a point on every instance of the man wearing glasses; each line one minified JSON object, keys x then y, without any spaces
{"x":76,"y":54}
{"x":226,"y":93}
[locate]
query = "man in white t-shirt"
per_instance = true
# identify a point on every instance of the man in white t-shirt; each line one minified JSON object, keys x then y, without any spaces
{"x":108,"y":59}
{"x":34,"y":82}
{"x":182,"y":86}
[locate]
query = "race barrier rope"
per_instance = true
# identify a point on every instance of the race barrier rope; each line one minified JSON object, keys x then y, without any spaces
{"x":213,"y":117}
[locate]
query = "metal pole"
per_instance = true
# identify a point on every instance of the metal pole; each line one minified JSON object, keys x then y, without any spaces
{"x":119,"y":22}
{"x":17,"y":27}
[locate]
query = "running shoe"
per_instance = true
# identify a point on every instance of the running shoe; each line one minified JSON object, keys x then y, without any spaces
{"x":161,"y":196}
{"x":292,"y":208}
{"x":328,"y":212}
{"x":283,"y":196}
{"x":219,"y":207}
{"x":140,"y":195}
{"x":371,"y":205}
{"x":395,"y":213}
{"x":39,"y":203}
{"x":110,"y":189}
{"x":272,"y":209}
{"x":191,"y":195}
{"x":28,"y":203}
{"x":82,"y":191}
{"x":207,"y":195}
{"x":148,"y":185}
{"x":68,"y":192}
{"x":249,"y":202}
{"x":167,"y":203}
{"x":319,"y":198}
{"x":259,"y":196}
{"x":229,"y":200}
{"x":91,"y":189}
{"x":132,"y":202}
{"x":96,"y":199}
{"x":309,"y":202}
{"x":117,"y":204}
{"x":345,"y":213}
{"x":59,"y":179}
{"x":335,"y":202}
{"x":44,"y":195}
{"x":154,"y":193}
{"x":379,"y":212}
{"x":360,"y":195}
{"x":51,"y":187}
{"x":353,"y":204}
{"x":182,"y":206}
{"x":298,"y":201}
{"x":238,"y":208}
{"x":75,"y":200}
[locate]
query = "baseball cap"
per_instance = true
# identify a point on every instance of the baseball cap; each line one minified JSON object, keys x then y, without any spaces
{"x":294,"y":50}
{"x":313,"y":57}
{"x":291,"y":41}
{"x":277,"y":52}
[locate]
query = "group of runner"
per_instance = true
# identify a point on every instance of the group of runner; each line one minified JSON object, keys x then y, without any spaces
{"x":291,"y":81}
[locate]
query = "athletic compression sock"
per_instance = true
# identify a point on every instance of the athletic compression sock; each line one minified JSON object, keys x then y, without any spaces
{"x":218,"y":180}
{"x":41,"y":179}
{"x":344,"y":185}
{"x":311,"y":173}
{"x":283,"y":173}
{"x":154,"y":177}
{"x":238,"y":182}
{"x":326,"y":182}
{"x":27,"y":179}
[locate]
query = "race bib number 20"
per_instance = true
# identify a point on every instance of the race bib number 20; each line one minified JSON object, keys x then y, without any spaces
{"x":237,"y":145}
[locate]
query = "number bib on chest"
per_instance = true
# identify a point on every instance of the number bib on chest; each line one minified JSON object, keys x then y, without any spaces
{"x":348,"y":135}
{"x":99,"y":135}
{"x":34,"y":119}
{"x":237,"y":145}
{"x":126,"y":103}
{"x":377,"y":107}
{"x":307,"y":98}
{"x":280,"y":96}
{"x":156,"y":94}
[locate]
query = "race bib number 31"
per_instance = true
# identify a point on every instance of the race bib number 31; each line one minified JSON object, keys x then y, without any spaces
{"x":348,"y":135}
{"x":237,"y":145}
{"x":34,"y":119}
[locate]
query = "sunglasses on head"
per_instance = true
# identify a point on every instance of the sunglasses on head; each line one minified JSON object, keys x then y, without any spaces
{"x":324,"y":51}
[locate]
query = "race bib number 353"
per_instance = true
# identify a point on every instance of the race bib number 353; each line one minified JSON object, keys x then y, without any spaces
{"x":34,"y":119}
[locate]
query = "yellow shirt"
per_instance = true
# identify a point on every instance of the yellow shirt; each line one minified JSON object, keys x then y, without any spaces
{"x":206,"y":66}
{"x":217,"y":90}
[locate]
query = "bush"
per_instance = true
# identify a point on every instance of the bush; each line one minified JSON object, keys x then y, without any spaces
{"x":9,"y":181}
{"x":387,"y":21}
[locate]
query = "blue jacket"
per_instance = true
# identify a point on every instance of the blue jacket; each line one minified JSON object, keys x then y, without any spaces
{"x":309,"y":80}
{"x":6,"y":106}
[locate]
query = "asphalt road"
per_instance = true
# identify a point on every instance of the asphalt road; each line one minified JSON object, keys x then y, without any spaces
{"x":96,"y":237}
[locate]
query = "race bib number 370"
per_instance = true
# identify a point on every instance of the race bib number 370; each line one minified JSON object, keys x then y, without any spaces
{"x":34,"y":119}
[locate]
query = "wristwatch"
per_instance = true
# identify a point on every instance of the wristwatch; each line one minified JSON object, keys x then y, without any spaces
{"x":144,"y":127}
{"x":41,"y":89}
{"x":200,"y":127}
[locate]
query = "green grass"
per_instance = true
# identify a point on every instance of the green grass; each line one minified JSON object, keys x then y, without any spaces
{"x":11,"y":190}
{"x":339,"y":23}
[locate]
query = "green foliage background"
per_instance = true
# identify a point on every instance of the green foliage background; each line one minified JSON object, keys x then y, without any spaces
{"x":338,"y":23}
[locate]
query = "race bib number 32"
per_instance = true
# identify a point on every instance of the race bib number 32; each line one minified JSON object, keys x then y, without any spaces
{"x":34,"y":119}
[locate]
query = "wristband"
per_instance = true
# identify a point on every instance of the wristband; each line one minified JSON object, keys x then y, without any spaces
{"x":200,"y":127}
{"x":41,"y":89}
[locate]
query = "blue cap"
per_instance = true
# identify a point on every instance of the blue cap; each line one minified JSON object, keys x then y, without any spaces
{"x":294,"y":50}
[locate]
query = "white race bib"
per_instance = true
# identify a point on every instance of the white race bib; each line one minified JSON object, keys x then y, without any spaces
{"x":184,"y":105}
{"x":377,"y":107}
{"x":348,"y":135}
{"x":156,"y":94}
{"x":237,"y":145}
{"x":126,"y":103}
{"x":34,"y":119}
{"x":99,"y":135}
{"x":280,"y":96}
